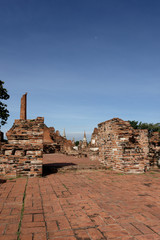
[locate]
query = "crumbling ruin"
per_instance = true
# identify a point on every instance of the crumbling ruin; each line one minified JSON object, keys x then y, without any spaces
{"x":23,"y":110}
{"x":53,"y":142}
{"x":114,"y":143}
{"x":154,"y":149}
{"x":28,"y":139}
{"x":82,"y":148}
{"x":120,"y":147}
{"x":23,"y":154}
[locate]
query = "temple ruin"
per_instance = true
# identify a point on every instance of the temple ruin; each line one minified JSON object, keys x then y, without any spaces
{"x":23,"y":154}
{"x":23,"y":111}
{"x":28,"y":139}
{"x":121,"y":148}
{"x":114,"y":143}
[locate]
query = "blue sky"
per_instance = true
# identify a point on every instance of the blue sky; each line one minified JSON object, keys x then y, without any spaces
{"x":81,"y":61}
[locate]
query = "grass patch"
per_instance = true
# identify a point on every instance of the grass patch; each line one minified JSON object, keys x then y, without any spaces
{"x":65,"y":187}
{"x":22,"y":211}
{"x":14,"y":178}
{"x":120,"y":173}
{"x":89,"y":178}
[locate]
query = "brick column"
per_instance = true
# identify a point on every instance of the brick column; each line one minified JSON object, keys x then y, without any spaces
{"x":23,"y":113}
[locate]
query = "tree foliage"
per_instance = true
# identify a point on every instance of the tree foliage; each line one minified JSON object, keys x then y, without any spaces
{"x":150,"y":126}
{"x":4,"y":113}
{"x":77,"y":143}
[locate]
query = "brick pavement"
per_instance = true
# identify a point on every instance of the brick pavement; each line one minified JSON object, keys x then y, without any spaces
{"x":60,"y":162}
{"x":81,"y":205}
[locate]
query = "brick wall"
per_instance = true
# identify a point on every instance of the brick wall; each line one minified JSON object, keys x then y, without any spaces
{"x":154,"y":149}
{"x":23,"y":154}
{"x":54,"y":142}
{"x":121,"y":147}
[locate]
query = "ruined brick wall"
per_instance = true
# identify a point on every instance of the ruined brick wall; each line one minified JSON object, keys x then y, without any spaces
{"x":23,"y":154}
{"x":121,"y":147}
{"x":48,"y":145}
{"x":154,"y":149}
{"x":47,"y":134}
{"x":94,"y":138}
{"x":54,"y":142}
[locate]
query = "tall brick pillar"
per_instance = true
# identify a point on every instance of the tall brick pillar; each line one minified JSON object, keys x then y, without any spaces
{"x":23,"y":113}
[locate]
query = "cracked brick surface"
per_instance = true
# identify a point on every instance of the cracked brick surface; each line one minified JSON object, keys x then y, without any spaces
{"x":82,"y":205}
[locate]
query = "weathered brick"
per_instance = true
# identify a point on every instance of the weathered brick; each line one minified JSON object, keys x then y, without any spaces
{"x":121,"y":147}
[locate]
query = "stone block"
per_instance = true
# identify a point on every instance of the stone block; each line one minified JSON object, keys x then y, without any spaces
{"x":19,"y":153}
{"x":32,"y":153}
{"x":8,"y":152}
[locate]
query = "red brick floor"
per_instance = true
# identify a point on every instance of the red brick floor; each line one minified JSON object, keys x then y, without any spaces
{"x":65,"y":162}
{"x":81,"y":205}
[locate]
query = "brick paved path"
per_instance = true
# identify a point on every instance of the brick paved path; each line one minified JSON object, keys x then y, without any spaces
{"x":81,"y":205}
{"x":64,"y":163}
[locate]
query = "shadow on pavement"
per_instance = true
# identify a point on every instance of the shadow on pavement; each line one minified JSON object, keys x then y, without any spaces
{"x":52,"y":168}
{"x":2,"y":181}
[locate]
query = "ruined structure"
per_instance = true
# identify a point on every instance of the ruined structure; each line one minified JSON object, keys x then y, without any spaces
{"x":23,"y":111}
{"x":82,"y":148}
{"x":154,"y":149}
{"x":93,"y":151}
{"x":64,"y":133}
{"x":55,"y":143}
{"x":73,"y":142}
{"x":28,"y":139}
{"x":94,"y":136}
{"x":84,"y":142}
{"x":120,"y":147}
{"x":23,"y":154}
{"x":115,"y":143}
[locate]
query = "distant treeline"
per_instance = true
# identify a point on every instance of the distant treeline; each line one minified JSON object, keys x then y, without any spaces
{"x":150,"y":126}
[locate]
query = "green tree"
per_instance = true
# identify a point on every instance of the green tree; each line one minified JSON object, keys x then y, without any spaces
{"x":134,"y":124}
{"x":150,"y":126}
{"x":4,"y":113}
{"x":77,"y":143}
